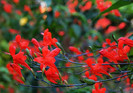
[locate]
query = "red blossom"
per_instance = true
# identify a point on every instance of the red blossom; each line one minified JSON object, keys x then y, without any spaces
{"x":13,"y":31}
{"x":48,"y":57}
{"x":48,"y":40}
{"x":96,"y":69}
{"x":27,"y":8}
{"x":18,"y":12}
{"x":61,"y":33}
{"x":16,"y":1}
{"x":18,"y":58}
{"x":102,"y":23}
{"x":15,"y":70}
{"x":121,"y":25}
{"x":8,"y":8}
{"x":126,"y":41}
{"x":93,"y":77}
{"x":21,"y":43}
{"x":35,"y":42}
{"x":87,"y":6}
{"x":110,"y":29}
{"x":52,"y":75}
{"x":72,"y":5}
{"x":74,"y":49}
{"x":115,"y":54}
{"x":11,"y":90}
{"x":3,"y":2}
{"x":102,"y":5}
{"x":1,"y":86}
{"x":116,"y":12}
{"x":88,"y":53}
{"x":97,"y":90}
{"x":57,"y":14}
{"x":18,"y":79}
{"x":65,"y":77}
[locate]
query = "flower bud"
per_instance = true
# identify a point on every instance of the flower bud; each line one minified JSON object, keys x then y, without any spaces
{"x":35,"y":42}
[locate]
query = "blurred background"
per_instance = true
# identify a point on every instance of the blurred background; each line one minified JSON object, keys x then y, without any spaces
{"x":72,"y":22}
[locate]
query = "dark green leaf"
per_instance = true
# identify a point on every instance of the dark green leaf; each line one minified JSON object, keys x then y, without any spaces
{"x":117,"y":5}
{"x":88,"y":81}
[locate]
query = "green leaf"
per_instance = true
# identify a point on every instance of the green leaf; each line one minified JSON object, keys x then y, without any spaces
{"x":77,"y":30}
{"x":81,"y":16}
{"x":114,"y":38}
{"x":88,"y":81}
{"x":117,"y":5}
{"x":60,"y":46}
{"x":4,"y":70}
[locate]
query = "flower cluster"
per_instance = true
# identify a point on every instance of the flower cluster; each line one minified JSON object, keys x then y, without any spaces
{"x":41,"y":54}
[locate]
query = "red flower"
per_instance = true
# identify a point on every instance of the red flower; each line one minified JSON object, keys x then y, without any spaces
{"x":27,"y":8}
{"x":109,"y":54}
{"x":18,"y":58}
{"x":57,"y":14}
{"x":48,"y":40}
{"x":48,"y":57}
{"x":35,"y":42}
{"x":18,"y":12}
{"x":11,"y":90}
{"x":18,"y":79}
{"x":15,"y":70}
{"x":3,"y":2}
{"x":8,"y":8}
{"x":74,"y":49}
{"x":128,"y":34}
{"x":65,"y":77}
{"x":93,"y":77}
{"x":1,"y":86}
{"x":115,"y":54}
{"x":52,"y":75}
{"x":72,"y":5}
{"x":110,"y":29}
{"x":61,"y":33}
{"x":16,"y":1}
{"x":22,"y":43}
{"x":116,"y":12}
{"x":107,"y":68}
{"x":108,"y":42}
{"x":89,"y":54}
{"x":126,"y":41}
{"x":87,"y":6}
{"x":121,"y":25}
{"x":102,"y":23}
{"x":13,"y":31}
{"x":96,"y":69}
{"x":103,"y":5}
{"x":97,"y":90}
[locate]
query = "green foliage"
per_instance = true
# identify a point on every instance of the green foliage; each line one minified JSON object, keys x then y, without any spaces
{"x":117,"y":5}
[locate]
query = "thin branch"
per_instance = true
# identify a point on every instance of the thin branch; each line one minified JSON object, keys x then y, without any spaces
{"x":114,"y":78}
{"x":53,"y":86}
{"x":82,"y":72}
{"x":81,"y":55}
{"x":72,"y":66}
